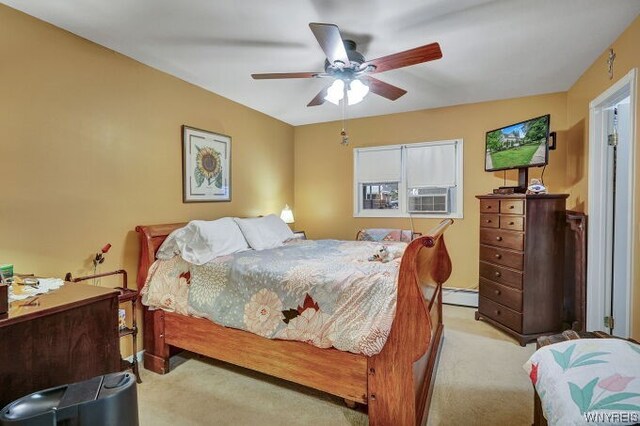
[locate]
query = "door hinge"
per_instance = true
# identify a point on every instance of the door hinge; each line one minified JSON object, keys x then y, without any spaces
{"x":609,"y":322}
{"x":612,"y":139}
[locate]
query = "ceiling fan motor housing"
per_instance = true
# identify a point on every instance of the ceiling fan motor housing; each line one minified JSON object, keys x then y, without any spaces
{"x":355,"y":58}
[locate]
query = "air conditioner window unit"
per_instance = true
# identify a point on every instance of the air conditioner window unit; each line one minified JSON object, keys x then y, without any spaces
{"x":429,"y":200}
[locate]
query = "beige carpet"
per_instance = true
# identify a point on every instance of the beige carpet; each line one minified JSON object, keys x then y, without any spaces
{"x":480,"y":381}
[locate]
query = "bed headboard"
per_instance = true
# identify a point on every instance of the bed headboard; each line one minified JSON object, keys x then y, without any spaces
{"x":151,"y":238}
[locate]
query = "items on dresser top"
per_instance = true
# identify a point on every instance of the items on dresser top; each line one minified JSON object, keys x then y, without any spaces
{"x":521,"y":263}
{"x":6,"y":273}
{"x":23,"y":288}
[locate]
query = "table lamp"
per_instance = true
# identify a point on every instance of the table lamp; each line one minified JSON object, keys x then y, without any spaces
{"x":287,"y":215}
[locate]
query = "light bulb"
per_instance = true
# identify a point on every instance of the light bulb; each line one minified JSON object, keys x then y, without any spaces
{"x":357,"y":91}
{"x":335,"y":93}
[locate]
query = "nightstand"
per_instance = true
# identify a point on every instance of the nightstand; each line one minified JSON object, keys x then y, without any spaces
{"x":125,"y":295}
{"x":299,"y":235}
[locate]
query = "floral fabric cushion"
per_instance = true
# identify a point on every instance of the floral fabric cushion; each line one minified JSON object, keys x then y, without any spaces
{"x":588,"y":381}
{"x":383,"y":234}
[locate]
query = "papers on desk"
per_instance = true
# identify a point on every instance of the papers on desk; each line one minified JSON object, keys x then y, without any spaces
{"x":45,"y":285}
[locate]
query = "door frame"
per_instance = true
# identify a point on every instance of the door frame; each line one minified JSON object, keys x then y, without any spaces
{"x":597,"y":209}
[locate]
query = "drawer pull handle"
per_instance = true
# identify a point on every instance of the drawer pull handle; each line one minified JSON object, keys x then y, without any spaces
{"x":488,"y":220}
{"x":512,"y":223}
{"x":497,"y":311}
{"x":488,"y":207}
{"x":497,"y":292}
{"x":497,"y":274}
{"x":498,"y":238}
{"x":498,"y":256}
{"x":512,"y":206}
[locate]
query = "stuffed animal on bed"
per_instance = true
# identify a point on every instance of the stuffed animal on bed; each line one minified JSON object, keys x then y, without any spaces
{"x":382,"y":254}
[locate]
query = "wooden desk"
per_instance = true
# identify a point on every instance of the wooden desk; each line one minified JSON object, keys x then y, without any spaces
{"x":71,"y":335}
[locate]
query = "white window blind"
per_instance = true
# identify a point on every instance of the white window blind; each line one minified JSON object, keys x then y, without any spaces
{"x":379,"y":165}
{"x":431,"y":165}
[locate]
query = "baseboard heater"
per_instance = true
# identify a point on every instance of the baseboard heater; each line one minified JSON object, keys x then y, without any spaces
{"x":460,"y":297}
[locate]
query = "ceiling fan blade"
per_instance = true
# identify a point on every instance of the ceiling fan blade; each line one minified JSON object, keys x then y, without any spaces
{"x":429,"y":52}
{"x":285,"y":75}
{"x":383,"y":89}
{"x":319,"y":99}
{"x":328,"y":36}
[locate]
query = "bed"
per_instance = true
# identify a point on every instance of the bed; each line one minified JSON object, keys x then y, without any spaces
{"x":395,"y":384}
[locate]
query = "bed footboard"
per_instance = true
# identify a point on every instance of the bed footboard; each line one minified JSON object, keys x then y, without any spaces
{"x":401,"y":376}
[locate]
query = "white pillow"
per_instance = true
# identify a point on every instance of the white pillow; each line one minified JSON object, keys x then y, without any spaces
{"x":265,"y":232}
{"x":201,"y":241}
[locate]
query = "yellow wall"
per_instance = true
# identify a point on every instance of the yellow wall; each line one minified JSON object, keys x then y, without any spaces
{"x":589,"y":86}
{"x":324,"y":169}
{"x":91,"y":147}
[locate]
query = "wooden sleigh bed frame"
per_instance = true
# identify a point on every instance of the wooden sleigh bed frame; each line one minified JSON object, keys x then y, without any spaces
{"x":395,"y":384}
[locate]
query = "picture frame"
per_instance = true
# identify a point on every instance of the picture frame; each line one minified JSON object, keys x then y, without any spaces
{"x":206,"y":166}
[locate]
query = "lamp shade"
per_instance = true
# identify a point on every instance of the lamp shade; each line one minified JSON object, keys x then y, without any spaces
{"x":287,"y":215}
{"x":335,"y":92}
{"x":357,"y":91}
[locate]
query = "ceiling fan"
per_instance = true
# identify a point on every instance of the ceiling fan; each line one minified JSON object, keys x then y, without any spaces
{"x":351,"y":71}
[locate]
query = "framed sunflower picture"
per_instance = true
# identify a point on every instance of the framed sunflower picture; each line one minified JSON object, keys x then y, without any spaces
{"x":206,"y":166}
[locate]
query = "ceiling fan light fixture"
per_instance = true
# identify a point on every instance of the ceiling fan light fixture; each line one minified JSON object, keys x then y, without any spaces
{"x":335,"y":92}
{"x":357,"y":91}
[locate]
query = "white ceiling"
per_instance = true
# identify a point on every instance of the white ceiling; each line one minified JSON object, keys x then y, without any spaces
{"x":492,"y":49}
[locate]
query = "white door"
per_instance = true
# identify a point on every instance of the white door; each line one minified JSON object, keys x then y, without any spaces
{"x":611,"y":204}
{"x":617,"y":279}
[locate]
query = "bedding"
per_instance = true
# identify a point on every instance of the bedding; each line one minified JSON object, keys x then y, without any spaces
{"x":588,"y":381}
{"x":326,"y":293}
{"x":202,"y":240}
{"x":265,"y":232}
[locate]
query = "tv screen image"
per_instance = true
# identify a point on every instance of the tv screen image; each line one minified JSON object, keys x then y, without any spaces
{"x":519,"y":145}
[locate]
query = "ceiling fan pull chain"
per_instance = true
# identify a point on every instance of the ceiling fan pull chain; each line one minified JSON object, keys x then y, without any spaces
{"x":343,"y":133}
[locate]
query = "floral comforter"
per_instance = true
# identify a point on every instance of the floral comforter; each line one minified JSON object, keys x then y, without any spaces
{"x":588,"y":381}
{"x":326,"y":292}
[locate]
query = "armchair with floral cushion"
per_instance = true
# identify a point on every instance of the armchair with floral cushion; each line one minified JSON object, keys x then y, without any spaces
{"x":387,"y":234}
{"x":583,"y":378}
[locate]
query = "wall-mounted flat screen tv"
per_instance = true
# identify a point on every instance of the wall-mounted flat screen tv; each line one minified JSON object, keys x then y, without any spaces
{"x":517,"y":146}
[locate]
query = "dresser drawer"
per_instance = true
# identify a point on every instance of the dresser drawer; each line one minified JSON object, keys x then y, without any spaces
{"x":507,"y":239}
{"x":490,"y":220}
{"x":503,"y":257}
{"x":512,"y":206}
{"x":489,"y":206}
{"x":513,"y":223}
{"x":500,"y":313}
{"x":504,"y":295}
{"x":501,"y":275}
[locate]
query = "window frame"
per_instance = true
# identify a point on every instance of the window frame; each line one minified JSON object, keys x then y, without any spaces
{"x":402,"y":210}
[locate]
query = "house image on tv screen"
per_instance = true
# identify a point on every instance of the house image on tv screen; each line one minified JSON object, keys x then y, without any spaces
{"x":519,"y":145}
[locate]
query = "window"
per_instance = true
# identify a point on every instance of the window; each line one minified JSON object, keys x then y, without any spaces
{"x":422,"y":179}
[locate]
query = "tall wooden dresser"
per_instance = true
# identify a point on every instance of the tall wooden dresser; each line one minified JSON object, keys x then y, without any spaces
{"x":521,"y":263}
